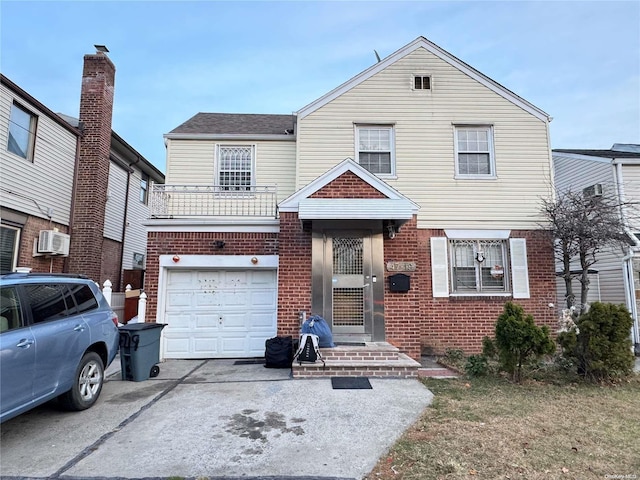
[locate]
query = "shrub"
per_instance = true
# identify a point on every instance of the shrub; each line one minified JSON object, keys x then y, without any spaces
{"x":476,"y":366}
{"x":600,"y":346}
{"x":519,"y":339}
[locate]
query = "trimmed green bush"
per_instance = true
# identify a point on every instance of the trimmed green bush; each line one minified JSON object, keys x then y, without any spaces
{"x":600,"y":345}
{"x":476,"y":366}
{"x":519,"y":340}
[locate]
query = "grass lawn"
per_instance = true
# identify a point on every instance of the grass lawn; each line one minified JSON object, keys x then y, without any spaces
{"x":489,"y":428}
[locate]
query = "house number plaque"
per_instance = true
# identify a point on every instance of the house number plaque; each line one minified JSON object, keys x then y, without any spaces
{"x":401,"y":266}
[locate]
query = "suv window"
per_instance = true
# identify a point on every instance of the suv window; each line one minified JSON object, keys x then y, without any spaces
{"x":10,"y":314}
{"x":49,"y":302}
{"x":84,"y":297}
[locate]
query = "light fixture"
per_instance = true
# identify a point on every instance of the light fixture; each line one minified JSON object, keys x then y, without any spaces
{"x":480,"y":257}
{"x":219,"y":243}
{"x":176,"y":258}
{"x":391,"y":231}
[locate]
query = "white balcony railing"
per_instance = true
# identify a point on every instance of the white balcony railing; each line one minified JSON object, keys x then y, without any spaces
{"x":171,"y":201}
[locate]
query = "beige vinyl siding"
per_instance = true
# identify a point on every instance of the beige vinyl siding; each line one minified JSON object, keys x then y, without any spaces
{"x":48,"y":181}
{"x":424,"y":138}
{"x":631,"y":185}
{"x":192,"y":162}
{"x":575,"y":174}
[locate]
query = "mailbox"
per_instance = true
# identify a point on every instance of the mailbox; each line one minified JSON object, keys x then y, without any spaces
{"x":399,"y":282}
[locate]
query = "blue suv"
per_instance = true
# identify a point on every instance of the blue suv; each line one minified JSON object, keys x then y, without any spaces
{"x":57,"y":336}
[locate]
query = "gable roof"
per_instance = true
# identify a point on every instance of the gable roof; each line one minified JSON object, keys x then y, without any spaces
{"x":224,"y":124}
{"x":422,"y":42}
{"x":394,"y":207}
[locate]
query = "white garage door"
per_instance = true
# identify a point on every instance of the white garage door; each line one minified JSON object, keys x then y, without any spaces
{"x":219,"y":313}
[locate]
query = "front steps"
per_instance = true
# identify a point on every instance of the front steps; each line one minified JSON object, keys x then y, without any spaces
{"x":373,"y":359}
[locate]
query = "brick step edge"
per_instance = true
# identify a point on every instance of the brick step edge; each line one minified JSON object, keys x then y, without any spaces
{"x":401,"y":360}
{"x":437,"y":372}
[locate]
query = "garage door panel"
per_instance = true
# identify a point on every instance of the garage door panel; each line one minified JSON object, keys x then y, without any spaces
{"x":219,"y":313}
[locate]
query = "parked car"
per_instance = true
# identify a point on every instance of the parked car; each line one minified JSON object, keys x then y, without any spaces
{"x":57,"y":336}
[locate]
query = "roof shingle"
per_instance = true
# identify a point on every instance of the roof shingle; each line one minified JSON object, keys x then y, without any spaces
{"x":238,"y":124}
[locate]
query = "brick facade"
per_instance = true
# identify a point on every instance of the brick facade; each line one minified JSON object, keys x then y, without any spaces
{"x":92,"y":176}
{"x":199,"y":243}
{"x":111,"y":263}
{"x":28,"y":236}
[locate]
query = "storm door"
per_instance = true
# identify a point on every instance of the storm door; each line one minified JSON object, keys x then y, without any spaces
{"x":348,"y":258}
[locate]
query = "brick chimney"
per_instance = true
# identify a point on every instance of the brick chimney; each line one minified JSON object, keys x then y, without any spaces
{"x":92,"y":175}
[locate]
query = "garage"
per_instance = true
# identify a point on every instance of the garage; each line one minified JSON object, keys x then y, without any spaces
{"x":219,"y":313}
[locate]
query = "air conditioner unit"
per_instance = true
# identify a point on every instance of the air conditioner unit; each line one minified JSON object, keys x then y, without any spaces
{"x":595,"y":190}
{"x":53,"y":243}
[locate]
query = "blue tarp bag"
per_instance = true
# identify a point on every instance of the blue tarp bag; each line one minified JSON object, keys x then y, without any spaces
{"x":317,"y":325}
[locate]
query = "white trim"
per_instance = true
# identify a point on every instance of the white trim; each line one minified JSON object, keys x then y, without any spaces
{"x":422,"y":42}
{"x":439,"y":267}
{"x":291,"y":203}
{"x":477,"y":234}
{"x":227,"y":136}
{"x":392,"y":144}
{"x":519,"y":268}
{"x":219,"y":261}
{"x":230,"y":224}
{"x":488,"y":127}
{"x":354,"y":208}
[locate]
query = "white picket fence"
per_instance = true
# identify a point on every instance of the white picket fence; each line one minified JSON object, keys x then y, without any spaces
{"x":116,"y":300}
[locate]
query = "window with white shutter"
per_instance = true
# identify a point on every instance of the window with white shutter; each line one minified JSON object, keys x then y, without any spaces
{"x":439,"y":267}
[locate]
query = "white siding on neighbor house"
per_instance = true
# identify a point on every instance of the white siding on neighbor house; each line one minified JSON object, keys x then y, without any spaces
{"x":631,"y":186}
{"x":424,"y":139}
{"x":115,"y":207}
{"x":135,"y":239}
{"x":610,"y":279}
{"x":48,"y":181}
{"x":192,"y":162}
{"x":575,"y":174}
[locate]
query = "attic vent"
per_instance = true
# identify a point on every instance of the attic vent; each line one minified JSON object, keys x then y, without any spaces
{"x":593,"y":191}
{"x":421,"y":82}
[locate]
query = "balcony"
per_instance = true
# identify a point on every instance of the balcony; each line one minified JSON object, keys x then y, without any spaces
{"x":189,"y":201}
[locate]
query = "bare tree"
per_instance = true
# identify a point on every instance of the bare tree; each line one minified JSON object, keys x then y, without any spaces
{"x":581,"y":226}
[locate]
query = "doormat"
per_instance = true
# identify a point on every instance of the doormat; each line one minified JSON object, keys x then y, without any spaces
{"x":255,"y":361}
{"x":350,"y":383}
{"x":350,"y":344}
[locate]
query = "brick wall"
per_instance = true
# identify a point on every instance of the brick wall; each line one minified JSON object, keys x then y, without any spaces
{"x":198,"y":243}
{"x":462,"y":322}
{"x":92,"y":176}
{"x":29,"y":234}
{"x":112,"y":264}
{"x":294,"y":274}
{"x":347,"y":185}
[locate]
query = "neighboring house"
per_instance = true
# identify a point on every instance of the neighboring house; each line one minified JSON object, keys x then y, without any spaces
{"x":615,"y":173}
{"x":74,"y":194}
{"x":403,"y":207}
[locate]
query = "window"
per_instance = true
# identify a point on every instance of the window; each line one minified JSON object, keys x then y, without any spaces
{"x":235,"y":167}
{"x":8,"y":248}
{"x":478,"y":266}
{"x":85,"y":300}
{"x":421,"y":82}
{"x":50,"y":302}
{"x":144,"y":188}
{"x":474,"y":152}
{"x":10,"y":313}
{"x":22,"y":128}
{"x":375,"y":149}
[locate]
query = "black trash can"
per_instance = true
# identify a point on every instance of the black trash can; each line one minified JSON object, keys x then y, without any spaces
{"x":140,"y":350}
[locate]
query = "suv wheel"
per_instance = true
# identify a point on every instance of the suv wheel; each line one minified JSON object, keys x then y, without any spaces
{"x":87,"y":383}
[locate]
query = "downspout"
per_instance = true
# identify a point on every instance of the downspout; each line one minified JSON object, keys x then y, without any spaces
{"x":627,"y":264}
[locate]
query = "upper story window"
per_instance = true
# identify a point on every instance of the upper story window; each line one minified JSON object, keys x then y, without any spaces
{"x":22,"y":130}
{"x":421,"y":82}
{"x":375,"y":148}
{"x":144,"y":188}
{"x":474,"y":152}
{"x":478,"y":266}
{"x":235,"y":167}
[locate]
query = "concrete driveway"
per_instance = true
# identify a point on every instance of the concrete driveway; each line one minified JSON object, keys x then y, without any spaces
{"x":212,"y":418}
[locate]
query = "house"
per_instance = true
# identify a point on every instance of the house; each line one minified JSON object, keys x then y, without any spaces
{"x":403,"y":207}
{"x":74,"y":194}
{"x":616,"y":173}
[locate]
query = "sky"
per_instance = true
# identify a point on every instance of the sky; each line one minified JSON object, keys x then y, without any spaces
{"x":579,"y":61}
